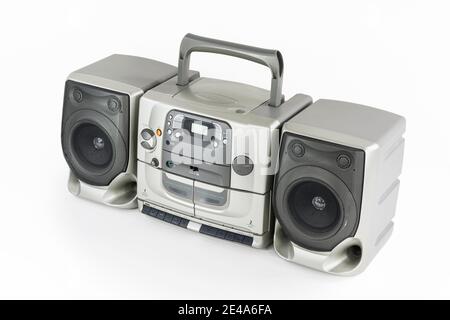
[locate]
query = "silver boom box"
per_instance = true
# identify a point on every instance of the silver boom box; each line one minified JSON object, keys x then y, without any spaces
{"x":210,"y":157}
{"x":207,"y":148}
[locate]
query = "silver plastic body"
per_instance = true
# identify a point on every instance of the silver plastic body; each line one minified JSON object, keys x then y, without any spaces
{"x":132,"y":76}
{"x":380,"y":135}
{"x":245,"y":108}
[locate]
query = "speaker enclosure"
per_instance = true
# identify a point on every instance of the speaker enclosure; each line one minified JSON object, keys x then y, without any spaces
{"x":356,"y":152}
{"x":99,"y":124}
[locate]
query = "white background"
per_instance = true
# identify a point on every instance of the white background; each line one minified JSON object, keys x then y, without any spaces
{"x":387,"y":54}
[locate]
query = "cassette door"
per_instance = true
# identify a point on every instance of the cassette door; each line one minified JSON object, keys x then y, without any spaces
{"x":165,"y":189}
{"x":241,"y":210}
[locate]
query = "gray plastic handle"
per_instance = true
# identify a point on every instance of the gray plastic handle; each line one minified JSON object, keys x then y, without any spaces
{"x":270,"y":58}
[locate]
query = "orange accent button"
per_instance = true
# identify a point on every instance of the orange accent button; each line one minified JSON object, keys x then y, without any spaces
{"x":158,"y":132}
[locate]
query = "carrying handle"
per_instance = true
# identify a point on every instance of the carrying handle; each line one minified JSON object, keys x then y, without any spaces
{"x":270,"y":58}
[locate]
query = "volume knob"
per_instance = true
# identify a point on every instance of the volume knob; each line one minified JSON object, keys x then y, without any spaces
{"x":243,"y":165}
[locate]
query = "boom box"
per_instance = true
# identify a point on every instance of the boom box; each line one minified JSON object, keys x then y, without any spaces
{"x":206,"y":155}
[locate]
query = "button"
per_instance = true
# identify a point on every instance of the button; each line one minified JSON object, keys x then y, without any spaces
{"x":225,"y":141}
{"x":146,"y":134}
{"x":149,"y":211}
{"x":154,"y":162}
{"x":221,"y":234}
{"x":344,"y":161}
{"x":150,"y":139}
{"x":184,"y":223}
{"x":215,"y":144}
{"x":161,"y":215}
{"x":169,"y":123}
{"x":146,"y":145}
{"x":170,"y":117}
{"x":247,"y":241}
{"x":169,"y":132}
{"x":211,"y":231}
{"x":168,"y":218}
{"x":176,"y":220}
{"x":229,"y":236}
{"x":177,"y":134}
{"x":169,"y":164}
{"x":238,"y":237}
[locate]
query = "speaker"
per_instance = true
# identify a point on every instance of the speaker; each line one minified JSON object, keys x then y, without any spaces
{"x":336,"y":189}
{"x":98,"y":133}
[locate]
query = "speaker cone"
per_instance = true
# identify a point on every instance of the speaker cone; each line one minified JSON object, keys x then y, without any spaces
{"x":92,"y":147}
{"x":314,"y":206}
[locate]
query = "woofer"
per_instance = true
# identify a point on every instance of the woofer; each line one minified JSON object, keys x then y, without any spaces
{"x":94,"y":148}
{"x":315,"y":208}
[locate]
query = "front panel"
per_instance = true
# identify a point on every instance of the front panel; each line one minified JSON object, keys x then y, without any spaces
{"x":95,"y":132}
{"x":197,"y":147}
{"x":318,"y":191}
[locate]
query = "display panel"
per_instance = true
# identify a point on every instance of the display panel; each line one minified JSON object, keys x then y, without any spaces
{"x":199,"y":129}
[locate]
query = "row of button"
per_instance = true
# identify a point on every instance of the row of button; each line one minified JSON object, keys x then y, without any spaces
{"x":169,"y":124}
{"x":226,"y":235}
{"x":179,"y":136}
{"x":204,"y":229}
{"x":166,"y":217}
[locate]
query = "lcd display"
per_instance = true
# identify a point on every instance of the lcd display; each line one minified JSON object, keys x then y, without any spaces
{"x":199,"y":129}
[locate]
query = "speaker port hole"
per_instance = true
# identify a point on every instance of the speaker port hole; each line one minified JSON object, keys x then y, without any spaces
{"x":345,"y":258}
{"x":354,"y":252}
{"x":121,"y":191}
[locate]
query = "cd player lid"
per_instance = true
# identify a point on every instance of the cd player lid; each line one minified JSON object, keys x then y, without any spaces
{"x":222,"y":95}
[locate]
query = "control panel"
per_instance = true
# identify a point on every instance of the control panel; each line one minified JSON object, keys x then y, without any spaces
{"x":197,"y":147}
{"x":197,"y":137}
